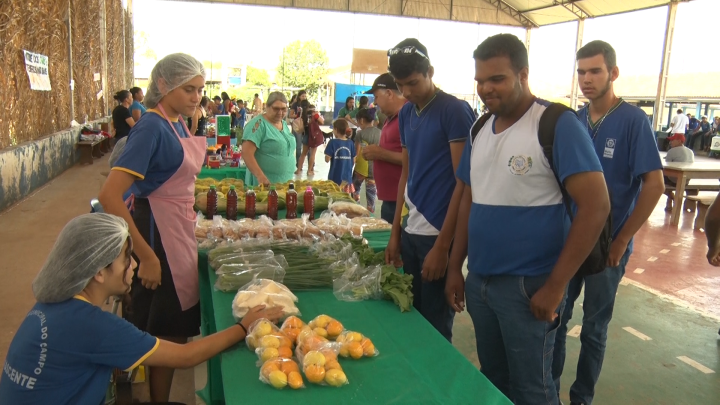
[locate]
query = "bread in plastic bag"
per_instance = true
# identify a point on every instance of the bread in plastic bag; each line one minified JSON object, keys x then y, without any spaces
{"x":264,"y":292}
{"x":356,"y":345}
{"x":351,"y":209}
{"x":281,"y":372}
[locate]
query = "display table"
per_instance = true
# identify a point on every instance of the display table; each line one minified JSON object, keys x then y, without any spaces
{"x":416,"y":364}
{"x":224,"y":172}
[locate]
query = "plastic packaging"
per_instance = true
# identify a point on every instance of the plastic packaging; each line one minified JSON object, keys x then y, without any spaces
{"x":281,"y":372}
{"x":326,"y":326}
{"x":272,"y":346}
{"x":233,"y":280}
{"x":272,"y":203}
{"x":241,"y":258}
{"x":259,"y":329}
{"x":264,"y":292}
{"x":250,"y":203}
{"x":350,"y":209}
{"x":359,"y":284}
{"x":309,"y":203}
{"x":291,"y":202}
{"x":212,"y":202}
{"x":292,"y":327}
{"x":321,"y":366}
{"x":356,"y":345}
{"x":232,"y":200}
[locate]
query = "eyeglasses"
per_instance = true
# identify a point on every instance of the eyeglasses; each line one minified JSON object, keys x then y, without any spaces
{"x":280,"y":109}
{"x":407,"y":50}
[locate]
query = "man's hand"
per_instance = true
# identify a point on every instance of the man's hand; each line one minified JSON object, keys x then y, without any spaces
{"x":392,"y":252}
{"x":149,"y":272}
{"x":371,"y":152}
{"x":618,"y":247}
{"x":435,"y":264}
{"x":455,"y":290}
{"x":545,"y":301}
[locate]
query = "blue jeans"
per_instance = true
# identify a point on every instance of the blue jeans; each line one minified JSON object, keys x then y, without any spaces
{"x":298,"y":146}
{"x":387,"y":211}
{"x":515,"y":349}
{"x":428,"y":297}
{"x":600,"y":290}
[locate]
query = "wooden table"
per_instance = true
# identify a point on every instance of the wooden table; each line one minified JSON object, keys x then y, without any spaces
{"x":685,"y":171}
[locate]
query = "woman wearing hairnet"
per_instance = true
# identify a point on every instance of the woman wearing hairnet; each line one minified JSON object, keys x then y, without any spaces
{"x":67,"y":346}
{"x":159,"y":165}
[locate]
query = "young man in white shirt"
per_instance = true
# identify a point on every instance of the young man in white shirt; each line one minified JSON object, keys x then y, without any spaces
{"x":679,"y":123}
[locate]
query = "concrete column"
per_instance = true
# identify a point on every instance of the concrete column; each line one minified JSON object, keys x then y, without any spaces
{"x":665,"y":64}
{"x":578,"y":45}
{"x":527,"y":39}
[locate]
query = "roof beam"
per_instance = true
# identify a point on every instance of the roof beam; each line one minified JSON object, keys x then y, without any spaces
{"x":514,"y":13}
{"x":570,"y":6}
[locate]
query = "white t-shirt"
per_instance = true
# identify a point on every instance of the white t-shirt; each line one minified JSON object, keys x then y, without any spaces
{"x":679,"y":123}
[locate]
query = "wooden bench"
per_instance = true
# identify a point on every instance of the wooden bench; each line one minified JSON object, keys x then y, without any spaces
{"x":695,"y":187}
{"x":703,"y":203}
{"x":90,"y":150}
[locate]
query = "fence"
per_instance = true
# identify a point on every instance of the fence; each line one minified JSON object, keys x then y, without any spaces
{"x":77,"y":36}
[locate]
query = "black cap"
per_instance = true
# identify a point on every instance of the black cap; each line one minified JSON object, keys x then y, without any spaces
{"x":383,"y":82}
{"x":413,"y":42}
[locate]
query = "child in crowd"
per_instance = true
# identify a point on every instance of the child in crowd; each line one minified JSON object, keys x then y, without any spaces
{"x":367,"y":134}
{"x":340,"y":152}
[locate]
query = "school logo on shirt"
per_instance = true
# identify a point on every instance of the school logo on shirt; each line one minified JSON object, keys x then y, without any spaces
{"x":347,"y":156}
{"x":609,"y":148}
{"x":520,"y":164}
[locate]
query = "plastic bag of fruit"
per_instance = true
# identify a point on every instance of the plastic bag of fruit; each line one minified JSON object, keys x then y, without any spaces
{"x":326,"y":326}
{"x":281,"y":372}
{"x":322,"y":367}
{"x":356,"y":345}
{"x":291,"y":327}
{"x":257,"y":332}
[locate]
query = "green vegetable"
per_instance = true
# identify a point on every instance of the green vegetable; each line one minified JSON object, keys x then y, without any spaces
{"x":397,"y":287}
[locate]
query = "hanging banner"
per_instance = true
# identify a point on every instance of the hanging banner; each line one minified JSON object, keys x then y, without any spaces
{"x":36,"y":66}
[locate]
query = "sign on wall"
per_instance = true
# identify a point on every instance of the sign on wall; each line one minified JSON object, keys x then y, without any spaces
{"x":36,"y":66}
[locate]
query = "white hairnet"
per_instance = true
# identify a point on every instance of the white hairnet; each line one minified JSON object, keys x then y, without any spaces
{"x":175,"y":69}
{"x":86,"y":245}
{"x":117,"y":151}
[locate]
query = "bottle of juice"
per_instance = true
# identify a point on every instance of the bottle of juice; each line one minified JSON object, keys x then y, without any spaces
{"x":250,"y":204}
{"x":211,"y":202}
{"x":309,"y":202}
{"x":232,"y":198}
{"x":291,"y":202}
{"x":273,"y":203}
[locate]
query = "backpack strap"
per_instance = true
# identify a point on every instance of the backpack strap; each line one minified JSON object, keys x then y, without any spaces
{"x":546,"y":137}
{"x":477,"y":126}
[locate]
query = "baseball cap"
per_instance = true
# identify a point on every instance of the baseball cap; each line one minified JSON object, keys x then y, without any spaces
{"x":383,"y":82}
{"x":413,"y":42}
{"x":677,"y":137}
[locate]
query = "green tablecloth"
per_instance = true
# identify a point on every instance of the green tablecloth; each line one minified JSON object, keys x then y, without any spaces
{"x":224,"y":172}
{"x":416,"y":364}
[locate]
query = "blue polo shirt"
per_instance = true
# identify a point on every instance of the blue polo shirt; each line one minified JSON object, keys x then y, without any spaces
{"x":64,"y":353}
{"x":518,"y":223}
{"x":427,"y":136}
{"x":136,"y":105}
{"x":152,"y":154}
{"x":341,"y":152}
{"x":626,"y":146}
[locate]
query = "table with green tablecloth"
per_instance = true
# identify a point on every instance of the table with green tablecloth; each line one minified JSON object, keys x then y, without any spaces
{"x":416,"y":364}
{"x":224,"y":172}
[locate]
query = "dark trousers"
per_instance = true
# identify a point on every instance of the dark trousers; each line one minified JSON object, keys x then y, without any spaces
{"x":387,"y":211}
{"x":428,"y":297}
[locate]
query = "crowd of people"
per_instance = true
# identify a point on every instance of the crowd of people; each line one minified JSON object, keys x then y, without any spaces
{"x":524,"y":192}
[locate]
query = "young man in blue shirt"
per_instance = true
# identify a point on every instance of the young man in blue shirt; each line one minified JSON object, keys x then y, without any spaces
{"x":433,"y":128}
{"x":521,"y":246}
{"x":625,"y":145}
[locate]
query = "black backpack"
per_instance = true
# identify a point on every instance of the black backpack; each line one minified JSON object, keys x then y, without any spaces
{"x":597,"y":260}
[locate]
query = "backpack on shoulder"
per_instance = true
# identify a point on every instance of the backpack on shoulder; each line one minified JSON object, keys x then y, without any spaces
{"x":597,"y":259}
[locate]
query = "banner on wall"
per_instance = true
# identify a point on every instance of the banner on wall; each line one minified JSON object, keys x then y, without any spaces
{"x":37,"y":68}
{"x":343,"y":91}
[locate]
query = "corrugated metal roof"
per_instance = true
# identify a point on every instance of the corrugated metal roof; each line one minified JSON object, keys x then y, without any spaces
{"x":527,"y":13}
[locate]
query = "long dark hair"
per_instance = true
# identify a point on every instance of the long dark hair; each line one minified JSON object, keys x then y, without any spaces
{"x":121,"y":95}
{"x":347,"y":100}
{"x":204,"y":101}
{"x":224,"y":96}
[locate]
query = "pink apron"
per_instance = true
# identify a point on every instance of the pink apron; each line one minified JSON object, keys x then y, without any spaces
{"x":172,"y":207}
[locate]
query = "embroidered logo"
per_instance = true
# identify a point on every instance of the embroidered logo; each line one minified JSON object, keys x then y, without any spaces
{"x":520,"y":164}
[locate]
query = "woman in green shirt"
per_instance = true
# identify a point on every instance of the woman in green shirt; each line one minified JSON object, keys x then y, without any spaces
{"x":349,"y":107}
{"x":268,"y":146}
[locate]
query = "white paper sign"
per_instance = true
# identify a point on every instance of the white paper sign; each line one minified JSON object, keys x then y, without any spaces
{"x":36,"y":66}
